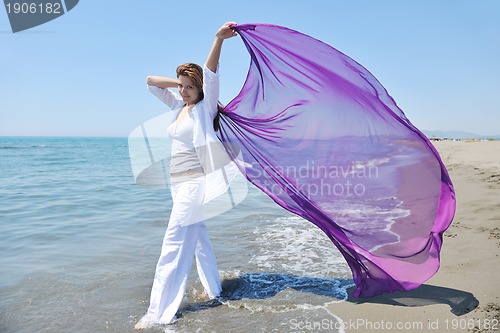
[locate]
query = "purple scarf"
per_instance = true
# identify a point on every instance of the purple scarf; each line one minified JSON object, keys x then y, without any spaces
{"x":322,"y":138}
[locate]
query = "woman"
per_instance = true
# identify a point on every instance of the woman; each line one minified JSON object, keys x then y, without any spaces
{"x":186,"y":236}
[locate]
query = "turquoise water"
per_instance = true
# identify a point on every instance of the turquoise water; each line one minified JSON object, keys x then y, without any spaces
{"x":79,"y":243}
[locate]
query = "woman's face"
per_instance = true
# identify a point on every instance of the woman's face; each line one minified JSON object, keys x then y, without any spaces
{"x":188,"y":91}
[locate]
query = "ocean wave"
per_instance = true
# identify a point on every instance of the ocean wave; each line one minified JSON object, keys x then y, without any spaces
{"x":294,"y":245}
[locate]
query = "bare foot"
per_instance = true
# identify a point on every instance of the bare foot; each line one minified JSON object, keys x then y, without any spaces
{"x":203,"y":296}
{"x":140,"y":325}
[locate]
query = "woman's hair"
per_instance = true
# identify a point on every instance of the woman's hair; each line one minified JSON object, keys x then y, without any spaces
{"x":220,"y":108}
{"x":195,"y":73}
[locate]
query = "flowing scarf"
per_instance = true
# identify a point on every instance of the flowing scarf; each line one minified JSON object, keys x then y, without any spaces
{"x":322,"y":137}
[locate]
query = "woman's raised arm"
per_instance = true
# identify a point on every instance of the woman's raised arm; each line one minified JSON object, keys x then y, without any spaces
{"x":162,"y":82}
{"x":224,"y":32}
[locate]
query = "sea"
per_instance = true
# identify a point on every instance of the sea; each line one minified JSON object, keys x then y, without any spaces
{"x":79,"y":241}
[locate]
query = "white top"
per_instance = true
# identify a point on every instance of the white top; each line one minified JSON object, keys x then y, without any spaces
{"x":218,"y":167}
{"x":184,"y":157}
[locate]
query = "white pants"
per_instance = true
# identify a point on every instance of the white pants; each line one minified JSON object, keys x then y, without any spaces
{"x":180,"y":245}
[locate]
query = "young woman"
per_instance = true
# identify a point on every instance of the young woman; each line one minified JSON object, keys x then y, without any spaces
{"x":191,"y":183}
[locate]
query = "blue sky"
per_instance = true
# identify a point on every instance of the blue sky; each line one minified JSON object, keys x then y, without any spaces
{"x":83,"y":74}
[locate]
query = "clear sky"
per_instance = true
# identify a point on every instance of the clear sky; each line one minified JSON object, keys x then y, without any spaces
{"x":83,"y":74}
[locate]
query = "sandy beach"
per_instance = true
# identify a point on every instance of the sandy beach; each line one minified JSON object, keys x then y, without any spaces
{"x":464,"y":295}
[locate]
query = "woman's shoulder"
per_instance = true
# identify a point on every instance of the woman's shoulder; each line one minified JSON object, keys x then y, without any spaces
{"x":208,"y":74}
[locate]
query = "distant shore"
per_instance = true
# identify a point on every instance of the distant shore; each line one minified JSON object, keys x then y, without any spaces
{"x":466,"y":140}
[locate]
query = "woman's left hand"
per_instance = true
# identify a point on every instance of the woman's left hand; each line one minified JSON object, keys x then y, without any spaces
{"x":225,"y":31}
